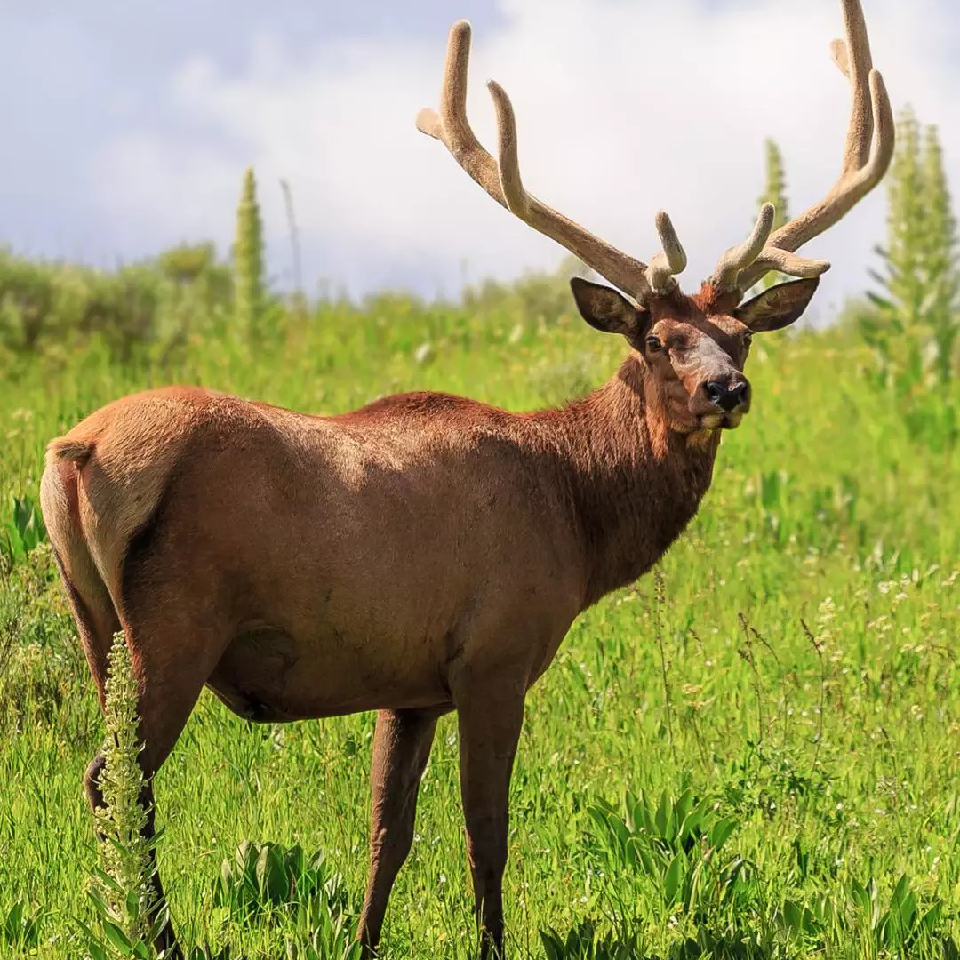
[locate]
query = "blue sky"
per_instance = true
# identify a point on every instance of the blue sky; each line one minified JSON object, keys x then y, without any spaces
{"x":85,"y":74}
{"x":127,"y":126}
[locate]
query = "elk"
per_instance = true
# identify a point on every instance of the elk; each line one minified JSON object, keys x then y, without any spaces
{"x":425,"y":553}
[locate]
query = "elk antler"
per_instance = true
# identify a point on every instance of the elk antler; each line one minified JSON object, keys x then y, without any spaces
{"x":755,"y":252}
{"x":741,"y":267}
{"x":502,"y":182}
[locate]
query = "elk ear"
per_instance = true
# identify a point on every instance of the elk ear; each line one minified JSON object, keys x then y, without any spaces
{"x":777,"y":307}
{"x":603,"y":308}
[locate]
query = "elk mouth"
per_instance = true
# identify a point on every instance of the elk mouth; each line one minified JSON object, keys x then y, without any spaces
{"x":731,"y":421}
{"x":721,"y":420}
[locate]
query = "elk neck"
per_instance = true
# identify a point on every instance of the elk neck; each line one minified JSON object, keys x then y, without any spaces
{"x":632,"y":484}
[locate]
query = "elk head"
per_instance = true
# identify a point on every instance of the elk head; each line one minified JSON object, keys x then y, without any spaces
{"x":693,"y":348}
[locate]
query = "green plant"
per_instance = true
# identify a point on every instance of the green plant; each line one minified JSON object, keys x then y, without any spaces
{"x":913,"y":324}
{"x":27,"y":294}
{"x":122,"y":892}
{"x":897,"y":926}
{"x":942,"y":273}
{"x":19,"y":928}
{"x":267,"y":882}
{"x":248,"y":259}
{"x":265,"y":875}
{"x":675,"y":843}
{"x":584,"y":942}
{"x":21,"y":532}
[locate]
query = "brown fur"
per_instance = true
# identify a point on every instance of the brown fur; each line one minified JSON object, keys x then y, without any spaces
{"x":422,"y":554}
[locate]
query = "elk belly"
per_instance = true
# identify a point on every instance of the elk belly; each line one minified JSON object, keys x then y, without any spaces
{"x":266,"y":675}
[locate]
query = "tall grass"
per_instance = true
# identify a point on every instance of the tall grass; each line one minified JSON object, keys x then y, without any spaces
{"x":795,"y":685}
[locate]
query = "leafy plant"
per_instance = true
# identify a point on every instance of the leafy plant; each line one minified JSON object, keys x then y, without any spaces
{"x":27,"y":297}
{"x":22,"y":530}
{"x":248,"y":258}
{"x":18,"y":928}
{"x":582,"y":942}
{"x":264,"y":875}
{"x":270,"y":881}
{"x":122,"y":892}
{"x":914,"y":322}
{"x":897,"y":926}
{"x":676,"y":843}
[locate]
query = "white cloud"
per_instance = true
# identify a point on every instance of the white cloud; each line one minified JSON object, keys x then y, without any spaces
{"x":623,"y":108}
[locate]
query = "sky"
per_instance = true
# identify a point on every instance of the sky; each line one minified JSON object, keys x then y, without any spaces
{"x":127,"y":127}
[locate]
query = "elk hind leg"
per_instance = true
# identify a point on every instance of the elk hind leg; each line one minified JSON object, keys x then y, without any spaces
{"x":174,"y":649}
{"x":98,"y":623}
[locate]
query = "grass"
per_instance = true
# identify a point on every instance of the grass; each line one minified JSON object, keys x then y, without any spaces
{"x":752,"y":754}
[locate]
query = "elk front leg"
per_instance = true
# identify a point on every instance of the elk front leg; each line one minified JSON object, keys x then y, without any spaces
{"x":490,"y":720}
{"x":401,"y":746}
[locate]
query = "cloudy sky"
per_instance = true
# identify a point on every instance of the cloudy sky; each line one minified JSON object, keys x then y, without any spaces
{"x":126,"y":126}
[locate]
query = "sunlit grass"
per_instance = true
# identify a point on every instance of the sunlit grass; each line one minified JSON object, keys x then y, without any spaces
{"x":811,"y":698}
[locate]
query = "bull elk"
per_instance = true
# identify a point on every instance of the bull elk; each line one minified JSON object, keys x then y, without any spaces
{"x":424,"y":553}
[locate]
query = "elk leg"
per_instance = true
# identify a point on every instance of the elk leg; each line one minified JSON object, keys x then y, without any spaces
{"x":401,"y":746}
{"x":174,"y":650}
{"x":97,"y":622}
{"x":490,"y":721}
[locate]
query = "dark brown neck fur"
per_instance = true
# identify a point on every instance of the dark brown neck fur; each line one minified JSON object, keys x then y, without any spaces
{"x":633,"y":485}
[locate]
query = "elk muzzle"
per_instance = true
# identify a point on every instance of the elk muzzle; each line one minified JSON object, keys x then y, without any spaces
{"x":721,"y":401}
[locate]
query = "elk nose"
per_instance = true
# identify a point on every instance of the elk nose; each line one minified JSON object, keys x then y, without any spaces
{"x":728,"y":396}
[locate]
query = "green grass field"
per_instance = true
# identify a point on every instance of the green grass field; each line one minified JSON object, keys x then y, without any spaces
{"x":790,"y":674}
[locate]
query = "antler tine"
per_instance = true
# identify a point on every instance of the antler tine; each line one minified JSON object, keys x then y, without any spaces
{"x":517,"y":200}
{"x":670,"y":261}
{"x":451,"y":126}
{"x":855,"y":62}
{"x":736,"y":258}
{"x":867,"y":152}
{"x":773,"y":258}
{"x":755,"y":253}
{"x":503,"y":181}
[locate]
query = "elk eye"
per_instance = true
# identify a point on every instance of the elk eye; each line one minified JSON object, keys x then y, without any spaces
{"x":654,"y":345}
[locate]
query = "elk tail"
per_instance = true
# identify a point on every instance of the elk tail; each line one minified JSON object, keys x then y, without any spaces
{"x":70,"y":448}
